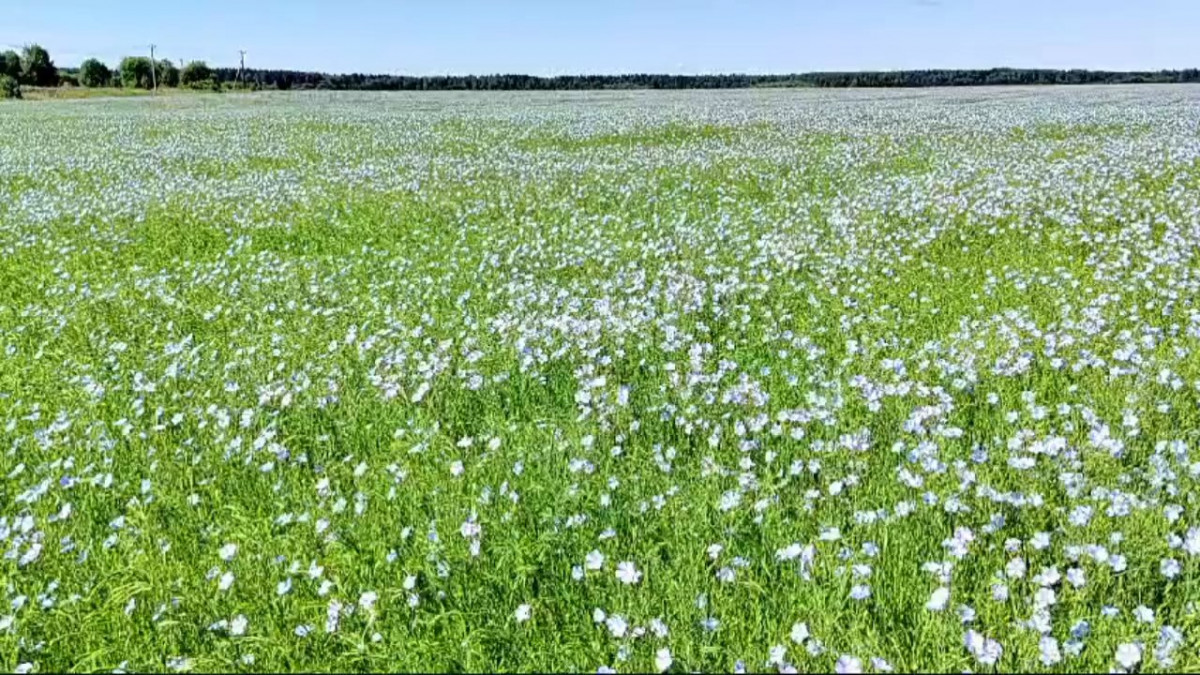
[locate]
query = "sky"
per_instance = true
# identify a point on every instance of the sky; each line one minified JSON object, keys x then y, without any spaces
{"x":556,"y":37}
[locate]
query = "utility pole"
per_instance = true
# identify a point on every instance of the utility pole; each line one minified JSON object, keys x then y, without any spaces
{"x":242,"y":68}
{"x":153,"y":77}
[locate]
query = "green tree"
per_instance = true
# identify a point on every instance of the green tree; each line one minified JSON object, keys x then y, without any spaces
{"x":195,"y":74}
{"x":10,"y":64}
{"x":9,"y":87}
{"x":167,"y":74}
{"x":135,"y":72}
{"x":36,"y":67}
{"x":93,"y":73}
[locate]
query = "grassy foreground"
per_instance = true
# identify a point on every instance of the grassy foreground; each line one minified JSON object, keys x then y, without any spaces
{"x":643,"y":381}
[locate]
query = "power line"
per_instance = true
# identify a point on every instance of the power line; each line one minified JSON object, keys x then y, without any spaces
{"x":153,"y":78}
{"x":241,"y":67}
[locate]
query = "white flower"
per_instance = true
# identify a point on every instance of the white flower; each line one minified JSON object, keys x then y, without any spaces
{"x":799,"y":633}
{"x":283,"y":587}
{"x":227,"y":552}
{"x":791,"y":552}
{"x":594,"y":560}
{"x":1191,"y":541}
{"x":663,"y":660}
{"x":1015,"y":569}
{"x":1129,"y":654}
{"x":860,"y":592}
{"x":523,"y":613}
{"x":225,"y":581}
{"x":616,"y":625}
{"x":367,"y":600}
{"x":627,"y":573}
{"x":1044,"y":597}
{"x":658,"y":628}
{"x":1076,"y":577}
{"x":985,"y":650}
{"x":966,"y":613}
{"x":1170,"y":568}
{"x":776,"y":655}
{"x":237,"y":627}
{"x":1050,"y":654}
{"x":333,"y":615}
{"x":937,"y":601}
{"x":848,"y":664}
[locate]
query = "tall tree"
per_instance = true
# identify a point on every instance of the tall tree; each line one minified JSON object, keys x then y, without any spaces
{"x":10,"y":64}
{"x":135,"y":72}
{"x":93,"y":73}
{"x":36,"y":67}
{"x":167,"y":73}
{"x":195,"y":73}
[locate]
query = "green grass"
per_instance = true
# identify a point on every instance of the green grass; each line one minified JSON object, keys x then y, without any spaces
{"x":275,"y":320}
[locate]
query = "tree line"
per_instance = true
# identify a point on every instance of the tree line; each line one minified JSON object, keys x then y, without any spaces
{"x":290,"y":79}
{"x":34,"y":67}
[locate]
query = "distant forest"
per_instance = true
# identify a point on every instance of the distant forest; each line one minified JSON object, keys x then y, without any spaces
{"x":289,"y":79}
{"x":34,"y":67}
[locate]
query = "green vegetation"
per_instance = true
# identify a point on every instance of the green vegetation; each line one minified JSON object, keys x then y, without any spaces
{"x":36,"y":69}
{"x":10,"y":65}
{"x":9,"y":87}
{"x":651,"y":381}
{"x":92,"y":73}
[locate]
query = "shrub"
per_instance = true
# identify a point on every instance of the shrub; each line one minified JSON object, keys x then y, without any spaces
{"x":194,"y":73}
{"x":93,"y":73}
{"x":204,"y":85}
{"x":9,"y":87}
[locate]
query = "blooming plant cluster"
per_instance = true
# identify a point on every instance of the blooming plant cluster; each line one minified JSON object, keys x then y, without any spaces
{"x":746,"y":381}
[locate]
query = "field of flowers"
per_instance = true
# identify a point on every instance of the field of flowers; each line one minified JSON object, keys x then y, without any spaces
{"x":644,"y":381}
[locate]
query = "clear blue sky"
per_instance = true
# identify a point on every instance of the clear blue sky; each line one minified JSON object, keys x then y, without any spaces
{"x":548,"y":37}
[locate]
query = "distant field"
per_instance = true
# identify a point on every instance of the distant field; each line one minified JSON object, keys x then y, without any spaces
{"x":55,"y":93}
{"x":773,"y":380}
{"x":70,"y":93}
